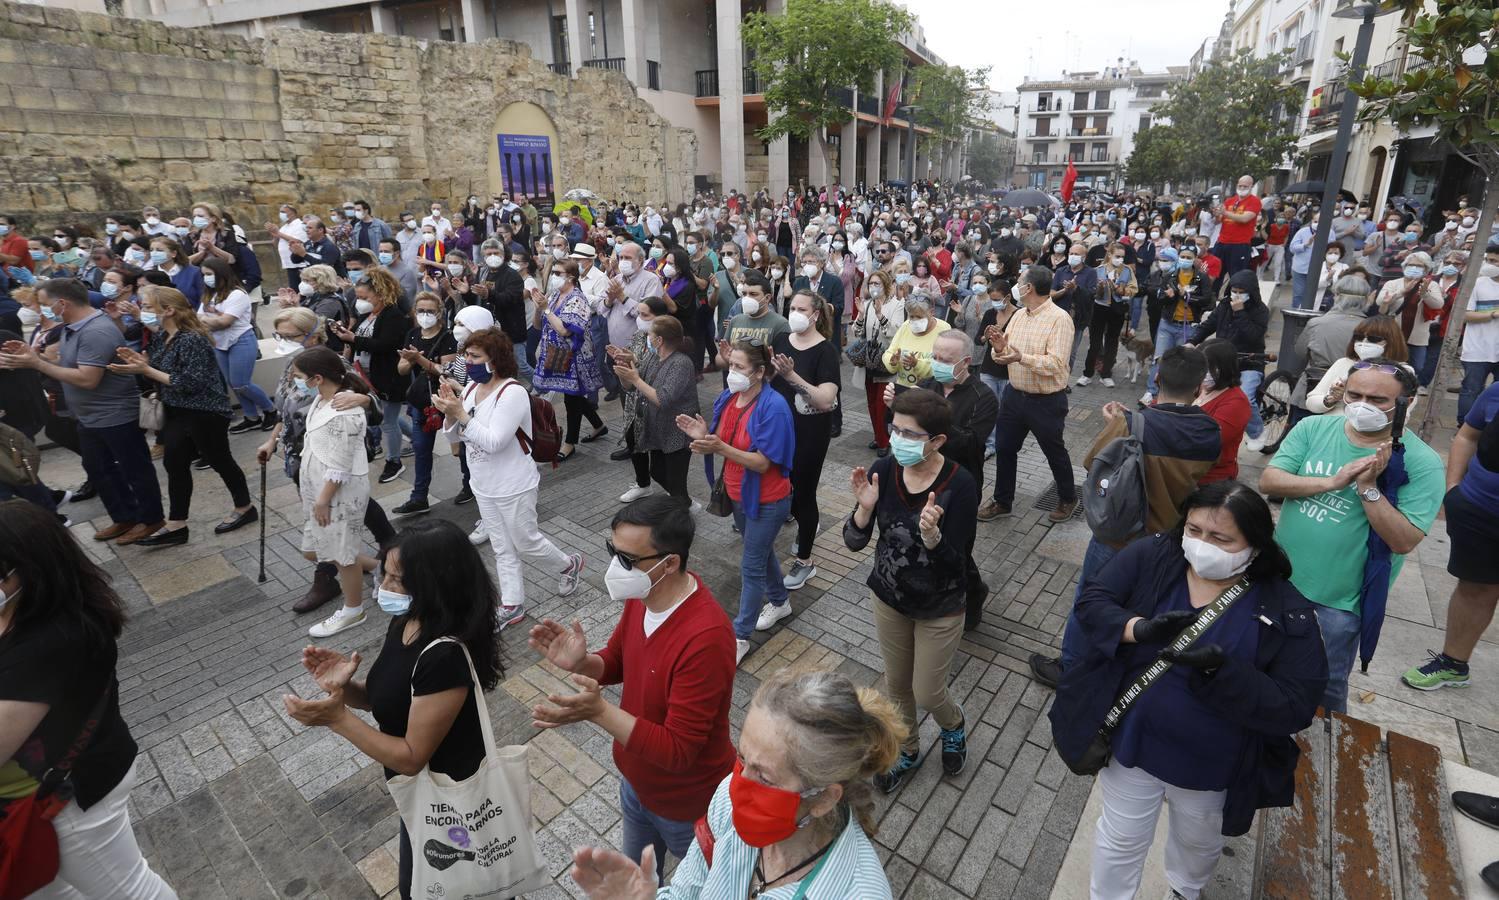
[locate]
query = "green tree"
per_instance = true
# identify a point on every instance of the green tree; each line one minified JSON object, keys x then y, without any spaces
{"x":1450,"y":82}
{"x":985,"y":161}
{"x":1158,"y":157}
{"x":805,"y":56}
{"x":951,"y":99}
{"x":1229,"y":119}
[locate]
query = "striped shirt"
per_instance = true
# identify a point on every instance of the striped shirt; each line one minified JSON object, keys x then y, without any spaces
{"x":1044,"y":338}
{"x":852,"y":870}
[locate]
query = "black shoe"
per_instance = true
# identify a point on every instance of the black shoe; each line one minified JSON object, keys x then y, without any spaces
{"x":411,"y":508}
{"x":239,"y":521}
{"x":244,"y":425}
{"x":881,"y":452}
{"x":268,"y":421}
{"x":83,"y":492}
{"x":588,"y":439}
{"x":407,"y":451}
{"x":611,"y":396}
{"x":464,"y":496}
{"x":620,"y":455}
{"x":874,"y":445}
{"x":202,"y":465}
{"x":837,"y":431}
{"x":1046,"y":669}
{"x":392,"y":471}
{"x":324,"y":588}
{"x":955,"y":748}
{"x":61,"y":497}
{"x":164,"y":538}
{"x":905,"y":765}
{"x":1479,"y":807}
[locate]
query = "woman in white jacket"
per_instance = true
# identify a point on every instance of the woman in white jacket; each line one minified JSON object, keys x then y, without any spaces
{"x":494,"y":424}
{"x":881,"y":313}
{"x":334,"y":480}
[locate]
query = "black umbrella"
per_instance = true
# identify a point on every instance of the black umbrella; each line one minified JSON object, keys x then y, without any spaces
{"x":1030,"y":197}
{"x":1316,"y":187}
{"x":897,"y":184}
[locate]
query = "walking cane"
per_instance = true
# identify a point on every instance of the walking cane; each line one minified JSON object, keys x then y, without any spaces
{"x":263,"y":514}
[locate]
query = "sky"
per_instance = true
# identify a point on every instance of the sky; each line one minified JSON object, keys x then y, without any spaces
{"x":1032,"y":37}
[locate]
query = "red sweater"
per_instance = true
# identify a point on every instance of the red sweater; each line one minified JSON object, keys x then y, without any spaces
{"x":1231,"y":409}
{"x":678,"y":683}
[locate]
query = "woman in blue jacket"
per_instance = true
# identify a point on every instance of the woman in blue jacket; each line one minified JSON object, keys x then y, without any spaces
{"x":1212,"y":736}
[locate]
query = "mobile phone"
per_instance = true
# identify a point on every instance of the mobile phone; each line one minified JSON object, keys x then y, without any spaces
{"x":1397,"y":429}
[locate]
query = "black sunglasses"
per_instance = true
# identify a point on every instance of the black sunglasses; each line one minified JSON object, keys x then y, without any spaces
{"x":625,"y":559}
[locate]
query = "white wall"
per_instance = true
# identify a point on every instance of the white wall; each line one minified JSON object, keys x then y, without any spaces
{"x":677,"y":37}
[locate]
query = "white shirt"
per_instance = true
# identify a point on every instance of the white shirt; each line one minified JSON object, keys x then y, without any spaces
{"x":443,"y":226}
{"x":293,"y":228}
{"x":654,"y":620}
{"x":237,"y":304}
{"x":159,"y":228}
{"x":594,"y":286}
{"x":1481,"y":339}
{"x":497,"y":465}
{"x":410,"y":241}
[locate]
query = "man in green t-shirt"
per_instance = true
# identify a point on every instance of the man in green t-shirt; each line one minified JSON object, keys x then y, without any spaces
{"x":757,"y":322}
{"x":1327,"y":469}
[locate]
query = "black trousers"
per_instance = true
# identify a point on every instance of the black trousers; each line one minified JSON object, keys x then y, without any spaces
{"x":1103,"y":334}
{"x":1042,"y":415}
{"x":191,"y":434}
{"x":578,"y":408}
{"x":813,"y":432}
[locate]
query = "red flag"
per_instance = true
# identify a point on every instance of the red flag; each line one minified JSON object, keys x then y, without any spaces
{"x":892,"y":101}
{"x":1068,"y":180}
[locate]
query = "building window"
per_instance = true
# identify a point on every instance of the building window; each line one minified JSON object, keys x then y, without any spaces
{"x":1080,"y":100}
{"x":1100,"y":153}
{"x":1078,"y":124}
{"x":1043,"y":127}
{"x":559,"y":40}
{"x":652,"y":75}
{"x":1144,"y":122}
{"x":1101,"y":100}
{"x":1075,"y":152}
{"x":1043,"y":103}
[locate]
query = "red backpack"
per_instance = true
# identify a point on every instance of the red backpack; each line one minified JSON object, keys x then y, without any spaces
{"x":545,"y":440}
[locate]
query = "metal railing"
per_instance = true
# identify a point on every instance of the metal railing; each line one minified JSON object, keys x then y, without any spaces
{"x":612,"y":63}
{"x":1092,"y":106}
{"x":844,"y":96}
{"x":1055,"y":106}
{"x":707,"y":82}
{"x":652,"y":75}
{"x":869,"y":106}
{"x":1332,"y":103}
{"x":752,"y":83}
{"x":1090,"y":132}
{"x":1042,"y":136}
{"x":561,"y":68}
{"x":1306,"y":48}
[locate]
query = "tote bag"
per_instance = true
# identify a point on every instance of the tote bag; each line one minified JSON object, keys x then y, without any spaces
{"x":472,"y":838}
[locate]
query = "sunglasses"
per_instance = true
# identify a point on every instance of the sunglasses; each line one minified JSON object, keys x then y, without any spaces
{"x":1384,"y":368}
{"x":625,"y":559}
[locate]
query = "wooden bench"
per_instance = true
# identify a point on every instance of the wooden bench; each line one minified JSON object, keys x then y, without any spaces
{"x":1372,"y":821}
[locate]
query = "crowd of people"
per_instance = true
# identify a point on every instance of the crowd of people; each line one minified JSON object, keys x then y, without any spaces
{"x":459,"y":329}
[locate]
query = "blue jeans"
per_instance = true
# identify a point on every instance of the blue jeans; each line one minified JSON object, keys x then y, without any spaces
{"x":1170,"y":334}
{"x":1249,"y":382}
{"x":237,"y":364}
{"x":118,"y":465}
{"x":522,"y":364}
{"x":393,"y":427}
{"x":997,"y":385}
{"x":421,"y":442}
{"x":1095,"y":558}
{"x":1475,"y":377}
{"x":1428,"y":370}
{"x":533,"y":343}
{"x":1299,"y":300}
{"x":1340,"y":634}
{"x":644,"y":828}
{"x":759,"y":569}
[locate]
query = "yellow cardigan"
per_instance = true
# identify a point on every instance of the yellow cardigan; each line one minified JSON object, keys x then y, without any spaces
{"x":907,"y":341}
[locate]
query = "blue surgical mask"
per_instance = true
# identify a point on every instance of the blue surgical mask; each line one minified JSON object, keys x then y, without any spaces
{"x":38,"y":255}
{"x":1449,"y":271}
{"x":908,"y":452}
{"x":387,"y":258}
{"x":1413,"y":271}
{"x":109,"y":289}
{"x":49,"y":314}
{"x":302,"y":387}
{"x":479,"y":373}
{"x":1184,"y":264}
{"x":158,"y":257}
{"x":149,"y":319}
{"x":356,"y":275}
{"x":393,"y":603}
{"x":942,"y":371}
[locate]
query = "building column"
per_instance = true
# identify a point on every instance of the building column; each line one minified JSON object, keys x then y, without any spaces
{"x":848,"y":160}
{"x":632,"y":16}
{"x":382,"y":20}
{"x":577,"y":23}
{"x":730,"y":93}
{"x":780,"y":167}
{"x":471,"y":20}
{"x":874,"y":143}
{"x":819,"y":167}
{"x":893,"y":168}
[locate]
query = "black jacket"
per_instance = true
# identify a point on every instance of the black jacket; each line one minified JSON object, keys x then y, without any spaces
{"x":391,"y":327}
{"x":974,"y":412}
{"x":1244,"y":329}
{"x":506,"y":301}
{"x":1273,"y":699}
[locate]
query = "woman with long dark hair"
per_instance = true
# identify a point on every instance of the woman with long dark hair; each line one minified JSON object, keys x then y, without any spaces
{"x":681,"y":289}
{"x":1212,"y":735}
{"x":435,"y":587}
{"x":59,"y":621}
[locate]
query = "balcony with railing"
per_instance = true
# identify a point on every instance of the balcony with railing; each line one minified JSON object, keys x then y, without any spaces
{"x":612,"y":63}
{"x":1042,"y":135}
{"x":844,"y":96}
{"x":869,"y":105}
{"x":1093,"y":106}
{"x":1046,"y":109}
{"x":1324,"y":115}
{"x":707,"y":82}
{"x":561,"y":68}
{"x":1306,"y":48}
{"x":1103,"y":131}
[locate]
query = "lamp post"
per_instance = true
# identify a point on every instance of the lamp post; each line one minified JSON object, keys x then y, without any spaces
{"x":1333,"y":181}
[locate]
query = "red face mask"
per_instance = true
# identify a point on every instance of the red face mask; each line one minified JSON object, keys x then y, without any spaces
{"x":763,"y":815}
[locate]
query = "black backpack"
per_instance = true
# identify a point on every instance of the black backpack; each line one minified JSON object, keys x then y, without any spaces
{"x":1114,"y":499}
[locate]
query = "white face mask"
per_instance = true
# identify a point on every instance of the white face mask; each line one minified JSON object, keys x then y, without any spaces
{"x":777,"y":274}
{"x":799,"y":321}
{"x":555,"y":283}
{"x":669,"y":271}
{"x":629,"y":584}
{"x":626,"y":267}
{"x":363,"y":307}
{"x":750,"y":305}
{"x":1368,"y":349}
{"x":1074,"y":260}
{"x":1213,"y":562}
{"x":306,"y":289}
{"x":429,"y":238}
{"x":461,"y":334}
{"x":1118,"y":261}
{"x":809,"y":270}
{"x":455,"y":269}
{"x":1015,"y":291}
{"x":28,"y":317}
{"x":738,"y":382}
{"x":426,"y":319}
{"x":1366,"y":418}
{"x":919,"y":326}
{"x":755,"y":255}
{"x":730,"y":263}
{"x":643,"y":325}
{"x":210,"y":280}
{"x":494,"y":262}
{"x":559,"y":253}
{"x":5,"y":599}
{"x":1238,"y":297}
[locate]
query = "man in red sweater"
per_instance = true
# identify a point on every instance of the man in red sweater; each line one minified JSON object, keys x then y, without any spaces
{"x":673,"y":652}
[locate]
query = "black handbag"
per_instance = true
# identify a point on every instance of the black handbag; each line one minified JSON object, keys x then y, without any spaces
{"x":1096,"y":755}
{"x":719,"y":502}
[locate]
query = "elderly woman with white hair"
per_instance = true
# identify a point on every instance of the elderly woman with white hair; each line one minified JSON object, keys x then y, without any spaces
{"x":909,"y":356}
{"x":796,"y":816}
{"x":1414,"y":300}
{"x":468,"y":320}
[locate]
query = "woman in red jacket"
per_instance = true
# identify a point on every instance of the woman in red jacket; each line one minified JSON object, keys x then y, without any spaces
{"x":1226,"y":402}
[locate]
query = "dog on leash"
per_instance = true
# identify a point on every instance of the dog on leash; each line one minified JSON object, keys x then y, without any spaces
{"x":1137,"y":359}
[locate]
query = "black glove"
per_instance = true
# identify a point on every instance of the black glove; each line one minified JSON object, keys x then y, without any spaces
{"x":1164,"y":627}
{"x":1206,"y":657}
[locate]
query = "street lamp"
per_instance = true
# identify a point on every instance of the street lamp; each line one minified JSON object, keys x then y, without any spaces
{"x":1366,"y":12}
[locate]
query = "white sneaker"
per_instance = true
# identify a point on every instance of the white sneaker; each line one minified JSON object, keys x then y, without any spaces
{"x":339,"y":621}
{"x":634,"y":493}
{"x":1084,"y":381}
{"x":478,"y":536}
{"x":1146,"y":397}
{"x":567,"y":582}
{"x":696,"y":507}
{"x":1254,"y":445}
{"x":507,"y":616}
{"x":798,"y":575}
{"x":1108,"y":382}
{"x":1423,"y":391}
{"x":770,"y":614}
{"x":741,"y":650}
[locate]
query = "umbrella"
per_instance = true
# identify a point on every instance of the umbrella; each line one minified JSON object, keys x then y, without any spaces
{"x":1030,"y":197}
{"x":574,"y":208}
{"x":997,"y":192}
{"x":897,"y":184}
{"x":582,"y":195}
{"x":1317,"y":187}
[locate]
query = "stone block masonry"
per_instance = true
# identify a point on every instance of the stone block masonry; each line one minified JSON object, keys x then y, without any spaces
{"x":101,"y":114}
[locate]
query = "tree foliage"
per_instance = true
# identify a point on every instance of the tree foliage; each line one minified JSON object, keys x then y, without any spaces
{"x":1227,"y":120}
{"x":986,"y":160}
{"x":808,"y":54}
{"x":1157,"y":157}
{"x":952,"y":100}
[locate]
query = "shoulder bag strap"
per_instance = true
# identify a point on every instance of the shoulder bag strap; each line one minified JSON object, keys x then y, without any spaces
{"x":491,"y":753}
{"x":1187,"y":638}
{"x":55,"y":778}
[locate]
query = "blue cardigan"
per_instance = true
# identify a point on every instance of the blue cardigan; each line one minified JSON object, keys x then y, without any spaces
{"x":1272,"y":699}
{"x":189,"y":280}
{"x":770,"y":433}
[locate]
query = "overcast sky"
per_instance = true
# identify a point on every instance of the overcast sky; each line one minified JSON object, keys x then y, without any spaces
{"x":1040,"y":38}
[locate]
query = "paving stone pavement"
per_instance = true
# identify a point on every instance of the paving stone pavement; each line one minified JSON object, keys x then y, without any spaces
{"x":238,"y":800}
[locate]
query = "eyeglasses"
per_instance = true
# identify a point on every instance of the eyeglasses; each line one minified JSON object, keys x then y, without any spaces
{"x":1385,"y":368}
{"x":897,"y":431}
{"x":625,"y":559}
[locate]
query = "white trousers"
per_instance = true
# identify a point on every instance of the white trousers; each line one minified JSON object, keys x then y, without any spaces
{"x":1131,"y":804}
{"x":99,"y":855}
{"x":510,"y":523}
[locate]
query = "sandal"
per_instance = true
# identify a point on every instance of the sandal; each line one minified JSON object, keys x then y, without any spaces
{"x":564,"y":457}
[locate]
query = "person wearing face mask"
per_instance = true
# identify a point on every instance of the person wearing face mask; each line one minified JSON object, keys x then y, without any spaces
{"x":391,"y":255}
{"x":425,"y":698}
{"x":168,"y":257}
{"x":442,"y":227}
{"x":1187,"y":296}
{"x":1415,"y":301}
{"x":1242,"y":319}
{"x":60,"y":621}
{"x":995,"y":376}
{"x":1382,"y":251}
{"x":290,"y":228}
{"x":660,"y":385}
{"x":631,"y":286}
{"x":1480,"y":348}
{"x":909,"y":354}
{"x":227,"y":313}
{"x":1448,"y":280}
{"x":566,"y":362}
{"x":1333,"y":268}
{"x":14,"y":250}
{"x":429,"y":348}
{"x":375,"y":341}
{"x":431,"y":253}
{"x":925,"y":505}
{"x":1115,"y":289}
{"x":1212,"y":735}
{"x":881,"y":314}
{"x":752,"y":430}
{"x":1221,"y":397}
{"x":1374,"y":337}
{"x":726,"y":281}
{"x":796,"y":812}
{"x":1358,"y":499}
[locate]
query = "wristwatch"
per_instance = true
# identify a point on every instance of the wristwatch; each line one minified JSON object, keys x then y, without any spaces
{"x":1370,"y":495}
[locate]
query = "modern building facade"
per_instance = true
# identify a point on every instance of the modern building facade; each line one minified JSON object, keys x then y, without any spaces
{"x":685,"y":57}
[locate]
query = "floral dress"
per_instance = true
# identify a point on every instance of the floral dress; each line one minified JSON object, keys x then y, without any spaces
{"x":581,"y":375}
{"x":333,"y":450}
